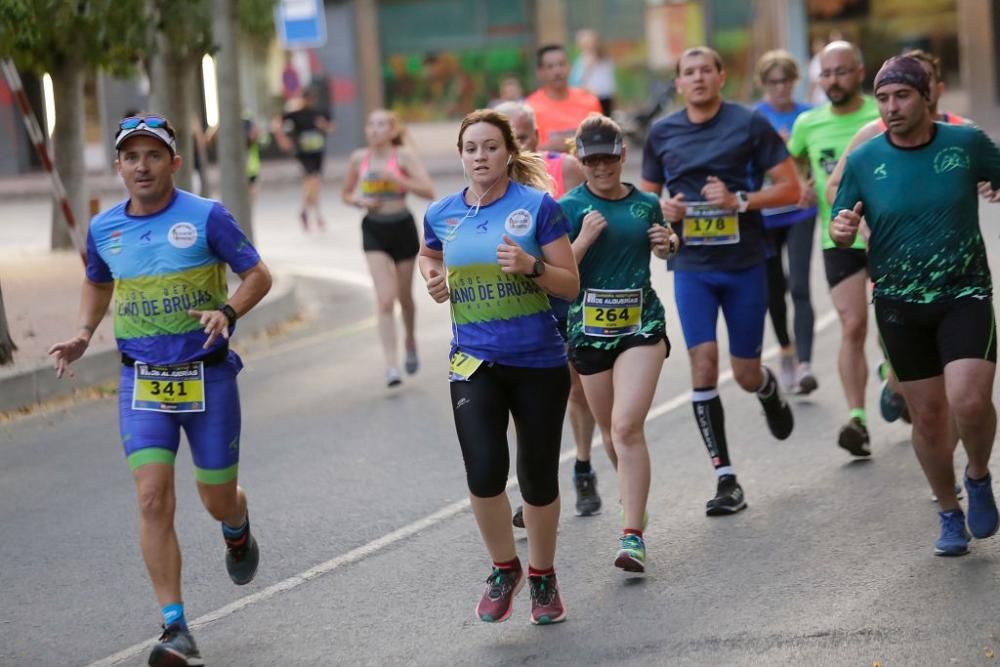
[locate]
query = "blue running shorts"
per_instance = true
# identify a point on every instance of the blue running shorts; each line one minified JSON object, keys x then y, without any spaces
{"x":742,"y":296}
{"x":214,"y":435}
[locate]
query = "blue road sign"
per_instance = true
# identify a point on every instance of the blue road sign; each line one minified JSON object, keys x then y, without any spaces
{"x":301,"y":24}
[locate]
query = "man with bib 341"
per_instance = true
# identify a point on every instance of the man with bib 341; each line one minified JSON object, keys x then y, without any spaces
{"x":162,"y":254}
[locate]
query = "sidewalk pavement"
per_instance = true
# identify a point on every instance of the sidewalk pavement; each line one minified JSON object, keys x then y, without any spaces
{"x":41,"y":299}
{"x":435,"y":143}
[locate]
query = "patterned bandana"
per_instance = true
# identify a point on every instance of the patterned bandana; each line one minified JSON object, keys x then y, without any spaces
{"x":905,"y":70}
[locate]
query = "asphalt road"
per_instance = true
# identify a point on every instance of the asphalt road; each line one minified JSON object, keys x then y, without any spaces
{"x":370,"y":556}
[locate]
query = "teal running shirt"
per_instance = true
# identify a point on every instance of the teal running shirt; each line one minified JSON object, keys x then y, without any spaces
{"x":922,"y":207}
{"x":615,"y":267}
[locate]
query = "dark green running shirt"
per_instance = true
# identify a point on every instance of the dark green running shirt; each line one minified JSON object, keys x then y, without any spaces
{"x":616,"y":298}
{"x":923,"y":210}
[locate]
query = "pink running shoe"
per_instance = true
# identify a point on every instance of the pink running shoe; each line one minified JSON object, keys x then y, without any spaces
{"x":498,"y":598}
{"x":546,"y":603}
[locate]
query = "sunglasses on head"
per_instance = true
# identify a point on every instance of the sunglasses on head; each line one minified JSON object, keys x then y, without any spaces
{"x":152,"y":122}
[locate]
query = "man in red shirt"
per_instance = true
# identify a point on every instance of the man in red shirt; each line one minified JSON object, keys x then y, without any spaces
{"x":559,"y":109}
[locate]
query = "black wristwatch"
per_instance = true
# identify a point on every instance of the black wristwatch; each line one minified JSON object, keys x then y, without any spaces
{"x":538,"y":269}
{"x":230,"y":314}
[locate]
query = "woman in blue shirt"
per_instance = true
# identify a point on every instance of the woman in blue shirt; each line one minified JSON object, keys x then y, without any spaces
{"x":495,"y":250}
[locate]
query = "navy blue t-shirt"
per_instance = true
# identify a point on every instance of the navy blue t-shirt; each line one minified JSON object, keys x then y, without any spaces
{"x":738,"y":146}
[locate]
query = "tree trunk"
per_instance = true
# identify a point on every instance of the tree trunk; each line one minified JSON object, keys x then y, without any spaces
{"x":7,"y":346}
{"x":171,"y":83}
{"x":232,"y":140}
{"x":68,"y":147}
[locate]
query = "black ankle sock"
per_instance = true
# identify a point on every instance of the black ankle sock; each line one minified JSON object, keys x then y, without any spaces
{"x":582,"y":467}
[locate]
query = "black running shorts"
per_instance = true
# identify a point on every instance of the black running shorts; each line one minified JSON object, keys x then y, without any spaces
{"x":312,"y":163}
{"x":395,"y":235}
{"x":588,"y":360}
{"x":920,"y":339}
{"x":842,"y":263}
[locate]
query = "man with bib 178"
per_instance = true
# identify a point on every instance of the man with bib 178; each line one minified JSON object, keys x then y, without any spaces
{"x":162,"y":254}
{"x":712,"y":157}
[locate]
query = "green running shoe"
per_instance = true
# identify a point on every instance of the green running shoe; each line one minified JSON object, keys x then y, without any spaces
{"x":631,"y":554}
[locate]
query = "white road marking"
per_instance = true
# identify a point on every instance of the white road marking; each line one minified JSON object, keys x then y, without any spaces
{"x":405,"y":532}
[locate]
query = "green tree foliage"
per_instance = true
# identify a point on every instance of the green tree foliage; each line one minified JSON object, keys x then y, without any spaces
{"x":256,"y":18}
{"x":41,"y":34}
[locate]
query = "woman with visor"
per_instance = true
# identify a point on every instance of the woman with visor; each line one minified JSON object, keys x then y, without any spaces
{"x":617,"y":330}
{"x":502,"y":241}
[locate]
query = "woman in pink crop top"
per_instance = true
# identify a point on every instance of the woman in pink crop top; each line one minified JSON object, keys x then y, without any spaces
{"x":378,"y":178}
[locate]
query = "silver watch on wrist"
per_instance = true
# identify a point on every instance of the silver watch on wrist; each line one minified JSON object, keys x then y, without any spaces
{"x":744,"y":199}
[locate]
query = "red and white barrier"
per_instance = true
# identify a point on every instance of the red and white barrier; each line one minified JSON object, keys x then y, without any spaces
{"x":42,"y":149}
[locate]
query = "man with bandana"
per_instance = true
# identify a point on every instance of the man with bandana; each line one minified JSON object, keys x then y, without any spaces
{"x":917,"y":187}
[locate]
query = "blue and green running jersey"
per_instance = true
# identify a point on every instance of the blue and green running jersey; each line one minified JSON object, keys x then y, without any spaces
{"x":162,"y":265}
{"x":922,"y":207}
{"x":617,"y":260}
{"x":498,"y":317}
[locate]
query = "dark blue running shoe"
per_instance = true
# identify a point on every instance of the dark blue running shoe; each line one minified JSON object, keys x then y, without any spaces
{"x":983,"y":518}
{"x":954,"y":540}
{"x":891,"y":404}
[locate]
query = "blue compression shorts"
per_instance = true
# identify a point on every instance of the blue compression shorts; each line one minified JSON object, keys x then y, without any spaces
{"x":742,"y":296}
{"x":214,"y":435}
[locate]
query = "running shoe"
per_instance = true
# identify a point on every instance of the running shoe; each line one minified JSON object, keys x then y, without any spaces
{"x":242,"y":557}
{"x":176,"y":647}
{"x":546,"y":603}
{"x":787,"y":372}
{"x":393,"y":378}
{"x":588,"y":501}
{"x":728,"y":498}
{"x":631,"y":553}
{"x":806,"y":382}
{"x":501,"y":587}
{"x":854,"y":438}
{"x":954,"y":540}
{"x":890,"y":404}
{"x":778,"y":413}
{"x":983,"y":518}
{"x":412,"y":362}
{"x":518,"y":518}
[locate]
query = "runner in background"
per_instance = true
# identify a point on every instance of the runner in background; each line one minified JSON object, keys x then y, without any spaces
{"x":789,"y":228}
{"x":377,"y":180}
{"x":559,"y":107}
{"x":820,"y":136}
{"x":304,"y":132}
{"x":566,"y":173}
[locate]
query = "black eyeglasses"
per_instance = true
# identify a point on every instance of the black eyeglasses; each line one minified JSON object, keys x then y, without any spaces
{"x":152,"y":122}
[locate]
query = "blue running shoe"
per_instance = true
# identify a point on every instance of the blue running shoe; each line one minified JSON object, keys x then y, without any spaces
{"x":983,"y":517}
{"x":954,"y":540}
{"x":891,"y":404}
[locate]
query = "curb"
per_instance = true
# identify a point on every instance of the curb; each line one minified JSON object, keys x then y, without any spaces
{"x":41,"y":384}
